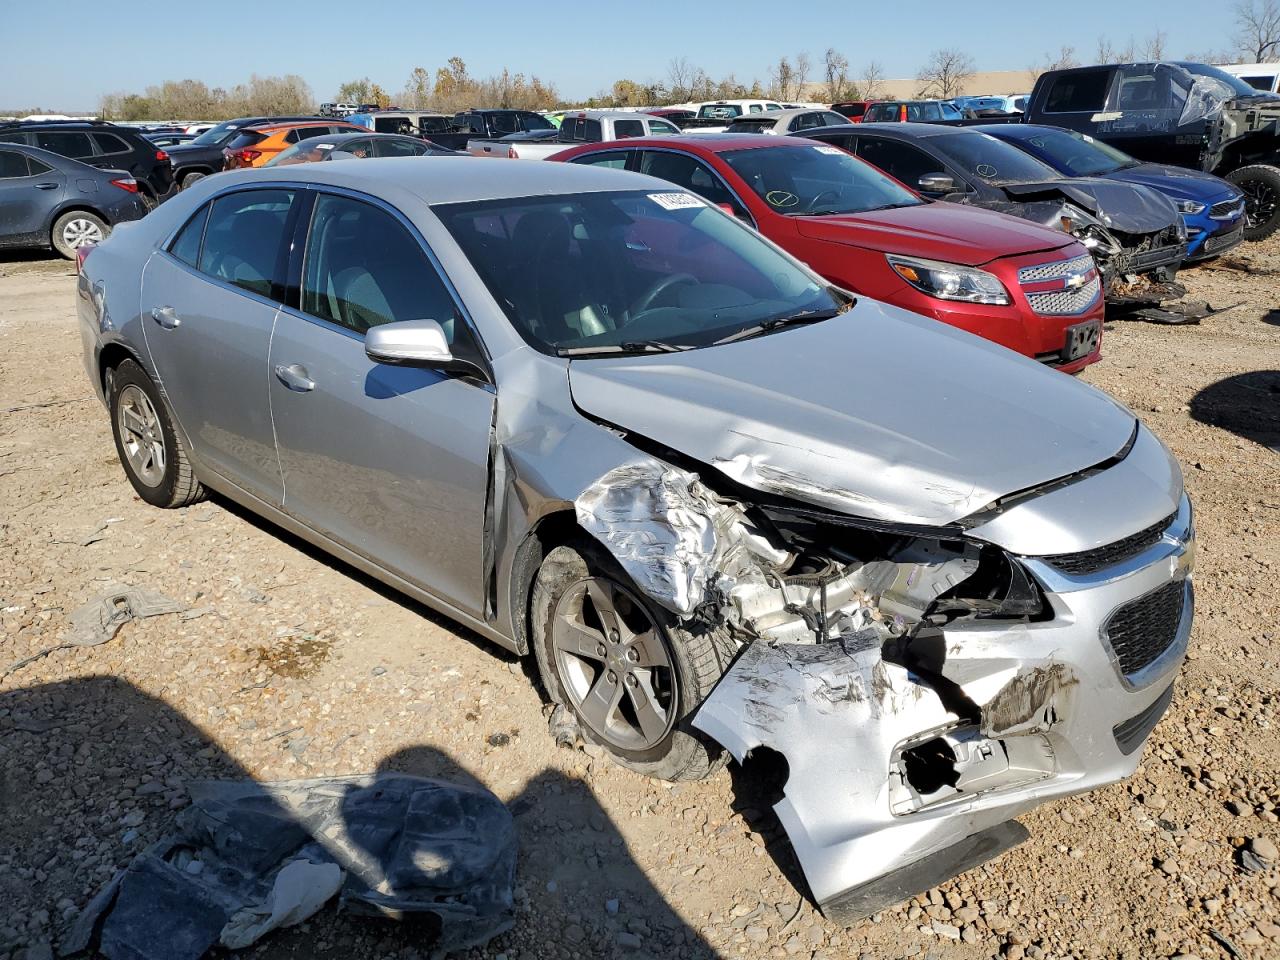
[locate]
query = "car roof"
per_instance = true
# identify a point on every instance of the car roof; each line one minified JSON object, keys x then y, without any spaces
{"x":292,"y":124}
{"x":786,"y":114}
{"x":453,"y":179}
{"x":704,"y":142}
{"x":908,"y":130}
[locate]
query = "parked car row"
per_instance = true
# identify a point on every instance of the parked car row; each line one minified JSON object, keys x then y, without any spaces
{"x":723,"y":504}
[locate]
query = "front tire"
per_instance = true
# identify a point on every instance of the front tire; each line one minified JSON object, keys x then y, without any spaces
{"x":74,"y":229}
{"x":152,"y":454}
{"x":629,"y":672}
{"x":1260,"y":183}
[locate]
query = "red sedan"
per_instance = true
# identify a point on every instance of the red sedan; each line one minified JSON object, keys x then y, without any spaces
{"x":1032,"y":289}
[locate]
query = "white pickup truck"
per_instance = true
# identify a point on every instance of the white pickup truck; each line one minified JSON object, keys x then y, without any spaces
{"x":582,"y":126}
{"x":716,"y":115}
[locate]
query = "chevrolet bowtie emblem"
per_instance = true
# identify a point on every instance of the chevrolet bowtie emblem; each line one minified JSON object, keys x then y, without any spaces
{"x":1075,"y":281}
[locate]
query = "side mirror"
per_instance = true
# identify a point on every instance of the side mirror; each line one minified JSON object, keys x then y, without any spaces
{"x":408,"y":343}
{"x":937,"y":183}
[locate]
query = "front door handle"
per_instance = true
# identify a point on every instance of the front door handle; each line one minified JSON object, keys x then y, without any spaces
{"x":295,"y":377}
{"x":166,"y":317}
{"x":46,"y":185}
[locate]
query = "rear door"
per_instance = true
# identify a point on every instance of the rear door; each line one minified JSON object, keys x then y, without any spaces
{"x":29,"y":191}
{"x":1074,"y":99}
{"x":390,"y":462}
{"x":209,"y":304}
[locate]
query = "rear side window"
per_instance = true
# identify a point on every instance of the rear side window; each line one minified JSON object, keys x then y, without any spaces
{"x":68,"y":143}
{"x":12,"y":165}
{"x":186,"y":245}
{"x":245,"y":138}
{"x":661,"y":126}
{"x":1078,"y":92}
{"x":244,"y":240}
{"x":400,"y":148}
{"x":628,"y":128}
{"x":364,"y":268}
{"x":109,"y":143}
{"x":904,"y":163}
{"x":614,"y":159}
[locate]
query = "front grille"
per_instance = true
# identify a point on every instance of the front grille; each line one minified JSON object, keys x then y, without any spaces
{"x":1065,"y":302}
{"x":1226,"y":209}
{"x":1055,"y":270}
{"x":1109,"y":554}
{"x":1143,"y":629}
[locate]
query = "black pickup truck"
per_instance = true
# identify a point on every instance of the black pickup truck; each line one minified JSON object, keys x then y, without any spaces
{"x":1178,"y":113}
{"x":488,"y":125}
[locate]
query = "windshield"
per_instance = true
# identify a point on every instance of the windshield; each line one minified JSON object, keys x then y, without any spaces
{"x":611,"y":270}
{"x":1077,"y":154}
{"x":810,"y":181}
{"x":1238,"y":86}
{"x":992,"y":160}
{"x":217,"y":136}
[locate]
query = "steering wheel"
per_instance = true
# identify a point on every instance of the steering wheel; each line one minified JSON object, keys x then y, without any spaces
{"x":657,"y":288}
{"x":816,"y":202}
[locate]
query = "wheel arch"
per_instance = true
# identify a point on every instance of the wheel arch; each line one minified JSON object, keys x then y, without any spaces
{"x":77,"y":205}
{"x":111,"y":356}
{"x":555,"y":529}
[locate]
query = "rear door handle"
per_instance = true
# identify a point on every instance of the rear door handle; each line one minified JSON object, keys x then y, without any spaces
{"x":46,"y":186}
{"x":295,"y":377}
{"x":166,"y":317}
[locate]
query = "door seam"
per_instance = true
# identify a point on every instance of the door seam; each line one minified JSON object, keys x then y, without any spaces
{"x":271,"y":404}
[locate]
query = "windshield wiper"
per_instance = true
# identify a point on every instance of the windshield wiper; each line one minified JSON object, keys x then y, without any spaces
{"x":768,"y":326}
{"x":627,"y":346}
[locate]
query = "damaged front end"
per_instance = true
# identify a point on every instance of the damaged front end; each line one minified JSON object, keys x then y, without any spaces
{"x":925,"y":685}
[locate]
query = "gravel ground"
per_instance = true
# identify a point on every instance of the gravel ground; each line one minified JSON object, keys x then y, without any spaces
{"x":287,"y":664}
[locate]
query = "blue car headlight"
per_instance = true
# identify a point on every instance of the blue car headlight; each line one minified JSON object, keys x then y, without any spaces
{"x":1190,"y":207}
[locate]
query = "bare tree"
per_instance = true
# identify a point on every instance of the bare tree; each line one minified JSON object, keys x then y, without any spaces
{"x":1258,"y":30}
{"x":802,"y":68}
{"x":1153,"y":47}
{"x":1109,"y":54}
{"x":781,"y":79}
{"x":871,"y":81}
{"x":836,"y":71}
{"x":945,"y":74}
{"x":681,"y":78}
{"x":1065,"y":59}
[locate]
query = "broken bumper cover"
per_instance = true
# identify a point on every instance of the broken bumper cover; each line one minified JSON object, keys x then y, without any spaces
{"x":900,"y":778}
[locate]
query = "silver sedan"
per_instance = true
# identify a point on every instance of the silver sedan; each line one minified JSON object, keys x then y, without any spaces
{"x":724,"y":505}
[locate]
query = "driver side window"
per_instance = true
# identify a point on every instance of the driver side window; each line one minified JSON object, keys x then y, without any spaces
{"x":690,"y":173}
{"x":363,"y":268}
{"x":902,"y":162}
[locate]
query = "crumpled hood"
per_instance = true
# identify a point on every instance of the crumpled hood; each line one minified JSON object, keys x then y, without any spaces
{"x":939,"y":231}
{"x":1189,"y":184}
{"x":1127,"y":207}
{"x":877,"y":413}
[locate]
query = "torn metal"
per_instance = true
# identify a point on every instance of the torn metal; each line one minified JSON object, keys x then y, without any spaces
{"x":247,"y":858}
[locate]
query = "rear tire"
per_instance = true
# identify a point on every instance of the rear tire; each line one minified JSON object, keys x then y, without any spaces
{"x":1260,"y":183}
{"x":675,"y":669}
{"x":188,"y":179}
{"x":74,"y":229}
{"x":152,"y":454}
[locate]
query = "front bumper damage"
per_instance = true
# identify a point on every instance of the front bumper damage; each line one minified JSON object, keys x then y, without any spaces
{"x":920,"y":700}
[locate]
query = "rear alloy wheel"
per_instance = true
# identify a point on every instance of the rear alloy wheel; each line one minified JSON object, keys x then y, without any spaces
{"x":74,"y":229}
{"x":627,"y":670}
{"x":151,"y":452}
{"x":1260,"y":184}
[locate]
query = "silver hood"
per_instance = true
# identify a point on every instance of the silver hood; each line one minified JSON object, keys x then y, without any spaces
{"x":877,"y":413}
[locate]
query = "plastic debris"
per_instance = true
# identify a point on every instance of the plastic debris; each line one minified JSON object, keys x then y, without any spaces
{"x":99,"y":620}
{"x":273,"y":854}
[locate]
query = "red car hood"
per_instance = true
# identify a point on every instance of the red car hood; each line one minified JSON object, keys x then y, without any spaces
{"x":952,"y":232}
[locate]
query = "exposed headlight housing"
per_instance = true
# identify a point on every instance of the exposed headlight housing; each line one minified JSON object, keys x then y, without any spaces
{"x":1190,"y":207}
{"x":949,"y":281}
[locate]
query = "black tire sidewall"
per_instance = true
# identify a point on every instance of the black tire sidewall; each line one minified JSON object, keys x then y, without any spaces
{"x":1271,"y":177}
{"x":163,"y":494}
{"x":55,"y":232}
{"x":564,"y":567}
{"x":188,"y":179}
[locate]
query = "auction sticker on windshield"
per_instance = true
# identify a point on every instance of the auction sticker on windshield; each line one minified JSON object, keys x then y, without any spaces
{"x":833,"y":151}
{"x":676,"y":201}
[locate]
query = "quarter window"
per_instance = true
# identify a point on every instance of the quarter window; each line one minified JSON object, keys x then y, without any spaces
{"x":109,"y":143}
{"x":363,"y":268}
{"x":244,"y":241}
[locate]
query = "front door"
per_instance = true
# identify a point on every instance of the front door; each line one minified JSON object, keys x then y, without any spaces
{"x":209,"y":303}
{"x":390,"y":462}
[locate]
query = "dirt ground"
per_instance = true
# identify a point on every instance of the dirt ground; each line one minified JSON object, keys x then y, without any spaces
{"x":287,"y":664}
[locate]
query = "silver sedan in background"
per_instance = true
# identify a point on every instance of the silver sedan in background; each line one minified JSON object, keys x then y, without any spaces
{"x":724,"y":505}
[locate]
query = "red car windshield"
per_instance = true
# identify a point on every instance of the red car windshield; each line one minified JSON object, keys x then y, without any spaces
{"x":817,"y":180}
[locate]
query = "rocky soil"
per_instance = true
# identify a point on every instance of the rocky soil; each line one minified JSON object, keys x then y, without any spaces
{"x":286,"y":664}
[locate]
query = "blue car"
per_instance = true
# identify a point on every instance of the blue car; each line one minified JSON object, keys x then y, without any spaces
{"x":1212,"y":209}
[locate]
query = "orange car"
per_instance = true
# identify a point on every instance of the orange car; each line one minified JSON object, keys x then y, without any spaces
{"x":254,"y":146}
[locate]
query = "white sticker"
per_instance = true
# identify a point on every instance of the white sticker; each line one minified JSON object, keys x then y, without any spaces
{"x":832,"y":150}
{"x":324,"y":146}
{"x":676,"y":201}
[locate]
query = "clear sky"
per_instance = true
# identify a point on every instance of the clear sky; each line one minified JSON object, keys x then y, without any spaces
{"x":64,"y":55}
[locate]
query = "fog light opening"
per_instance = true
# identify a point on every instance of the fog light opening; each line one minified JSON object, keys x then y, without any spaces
{"x":930,"y":766}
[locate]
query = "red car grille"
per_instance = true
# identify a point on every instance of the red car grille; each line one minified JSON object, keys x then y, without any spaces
{"x":1061,"y":288}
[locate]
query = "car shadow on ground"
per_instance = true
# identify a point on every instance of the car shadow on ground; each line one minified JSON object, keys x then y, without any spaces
{"x":92,"y":771}
{"x":1247,"y":404}
{"x":1272,"y":317}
